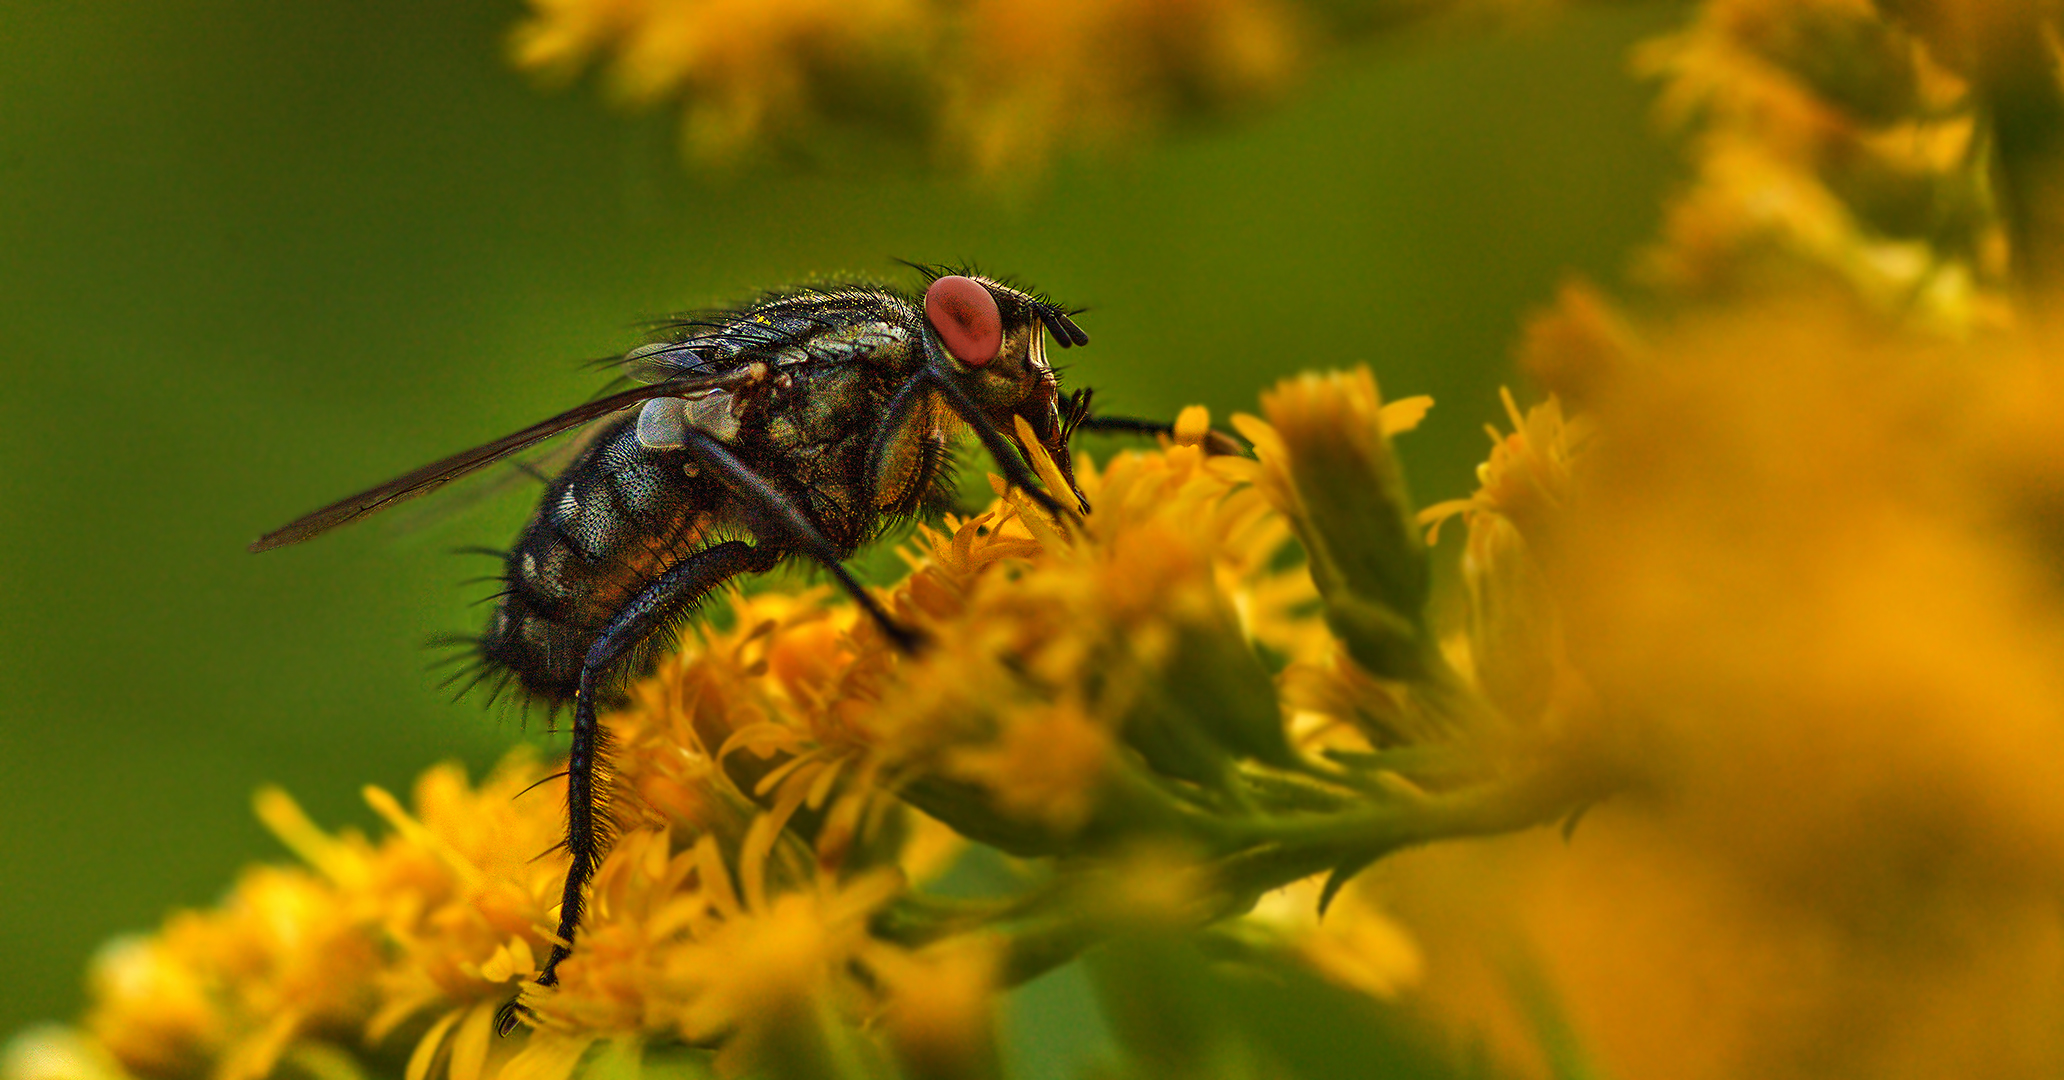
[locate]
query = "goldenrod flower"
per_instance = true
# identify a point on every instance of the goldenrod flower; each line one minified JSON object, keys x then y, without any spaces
{"x":227,"y":993}
{"x":1326,"y":465}
{"x":943,"y":1021}
{"x":1003,"y":83}
{"x":1833,"y":670}
{"x":1035,"y":75}
{"x":56,"y":1053}
{"x":749,"y":70}
{"x":1100,"y":696}
{"x":1828,"y":136}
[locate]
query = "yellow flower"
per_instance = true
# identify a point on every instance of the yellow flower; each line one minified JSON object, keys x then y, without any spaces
{"x":58,"y":1053}
{"x":1827,"y":135}
{"x":750,"y":70}
{"x":770,"y":979}
{"x":1045,"y":767}
{"x":1325,"y":464}
{"x":1526,"y":480}
{"x":942,"y":1016}
{"x":1514,"y":634}
{"x":1834,"y":668}
{"x":226,"y":993}
{"x":1099,"y":693}
{"x":1004,"y":82}
{"x":1038,"y":74}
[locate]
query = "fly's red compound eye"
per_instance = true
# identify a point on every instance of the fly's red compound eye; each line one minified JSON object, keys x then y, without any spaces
{"x":966,"y":318}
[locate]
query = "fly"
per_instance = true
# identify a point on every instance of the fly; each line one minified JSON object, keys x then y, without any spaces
{"x":797,"y":426}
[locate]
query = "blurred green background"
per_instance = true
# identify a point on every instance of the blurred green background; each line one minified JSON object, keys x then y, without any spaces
{"x":256,"y":256}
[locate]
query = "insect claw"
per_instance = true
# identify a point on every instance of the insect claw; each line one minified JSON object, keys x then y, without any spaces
{"x":1219,"y":444}
{"x":907,"y":640}
{"x":510,"y":1016}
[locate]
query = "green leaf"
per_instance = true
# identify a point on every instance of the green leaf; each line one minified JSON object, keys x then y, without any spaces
{"x":1176,"y":1014}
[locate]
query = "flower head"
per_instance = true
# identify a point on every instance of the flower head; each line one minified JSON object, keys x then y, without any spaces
{"x":1157,"y":705}
{"x":1005,"y":84}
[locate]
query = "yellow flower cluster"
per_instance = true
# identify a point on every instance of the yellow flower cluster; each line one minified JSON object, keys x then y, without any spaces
{"x":1766,"y":592}
{"x":1001,"y":83}
{"x":1828,"y":138}
{"x":1809,"y":578}
{"x":1793,"y":572}
{"x":1100,"y":698}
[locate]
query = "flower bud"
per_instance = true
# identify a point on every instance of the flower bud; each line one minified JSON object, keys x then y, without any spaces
{"x":1328,"y":467}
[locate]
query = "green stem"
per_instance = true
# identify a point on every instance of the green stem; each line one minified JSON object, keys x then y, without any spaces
{"x":1075,"y":914}
{"x":2017,"y":80}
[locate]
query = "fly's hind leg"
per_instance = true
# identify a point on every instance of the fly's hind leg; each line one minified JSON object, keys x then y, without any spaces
{"x":776,"y":514}
{"x":661,"y":602}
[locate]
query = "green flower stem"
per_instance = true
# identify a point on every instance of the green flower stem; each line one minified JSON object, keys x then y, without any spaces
{"x":1289,"y":848}
{"x":1074,"y":912}
{"x":1439,"y":766}
{"x":2016,"y":80}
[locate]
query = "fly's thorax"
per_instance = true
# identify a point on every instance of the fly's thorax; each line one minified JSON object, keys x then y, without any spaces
{"x":811,"y":387}
{"x":888,"y":345}
{"x":819,"y":436}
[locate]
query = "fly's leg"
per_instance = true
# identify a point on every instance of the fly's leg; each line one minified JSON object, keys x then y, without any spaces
{"x":901,"y":408}
{"x":1216,"y":443}
{"x":778,"y":514}
{"x":1007,"y":458}
{"x":661,"y":602}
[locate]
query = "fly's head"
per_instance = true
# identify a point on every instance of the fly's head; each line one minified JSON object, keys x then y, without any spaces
{"x":991,"y":339}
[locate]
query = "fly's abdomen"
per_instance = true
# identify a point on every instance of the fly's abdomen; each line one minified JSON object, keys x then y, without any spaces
{"x":608,"y":526}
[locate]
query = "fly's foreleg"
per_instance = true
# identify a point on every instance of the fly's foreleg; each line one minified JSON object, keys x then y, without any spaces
{"x":892,"y":434}
{"x":661,"y":602}
{"x":1216,"y":443}
{"x":777,"y":514}
{"x":1008,"y":461}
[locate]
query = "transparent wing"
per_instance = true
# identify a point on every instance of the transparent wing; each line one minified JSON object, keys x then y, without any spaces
{"x":438,"y":473}
{"x":529,"y":469}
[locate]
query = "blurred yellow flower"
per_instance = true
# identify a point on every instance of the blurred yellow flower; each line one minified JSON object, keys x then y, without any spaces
{"x":1827,"y":136}
{"x":1828,"y":643}
{"x":1032,"y":76}
{"x":1000,"y":84}
{"x":228,"y":992}
{"x":748,"y":70}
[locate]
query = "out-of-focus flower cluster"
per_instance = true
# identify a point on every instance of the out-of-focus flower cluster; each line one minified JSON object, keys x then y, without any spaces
{"x":1826,"y":135}
{"x":997,"y":88}
{"x":1805,"y":585}
{"x":999,"y":85}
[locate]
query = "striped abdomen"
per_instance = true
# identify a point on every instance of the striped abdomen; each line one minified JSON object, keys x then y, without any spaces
{"x":617,"y":518}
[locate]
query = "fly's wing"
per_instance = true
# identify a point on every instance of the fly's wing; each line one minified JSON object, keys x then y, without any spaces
{"x":437,"y":474}
{"x":523,"y":469}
